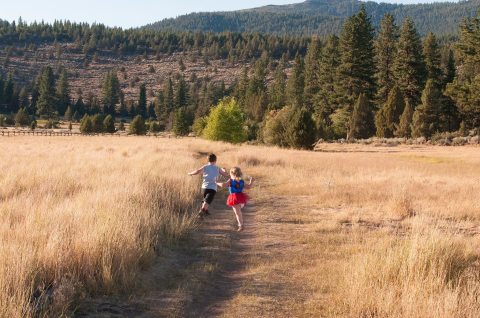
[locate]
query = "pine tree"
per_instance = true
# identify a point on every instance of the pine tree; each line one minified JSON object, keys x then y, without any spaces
{"x":180,"y":123}
{"x":63,"y":93}
{"x":32,"y":110}
{"x":142,"y":101}
{"x":312,"y":66}
{"x":169,"y":98}
{"x":404,"y":128}
{"x":181,"y":96}
{"x":326,"y":99}
{"x":361,"y":122}
{"x":409,"y":67}
{"x":68,"y":114}
{"x":110,"y":93}
{"x":300,"y":129}
{"x":450,"y":70}
{"x":389,"y":115}
{"x":385,"y":51}
{"x":8,"y":92}
{"x":431,"y":53}
{"x":425,"y":118}
{"x":23,"y":99}
{"x":277,"y":89}
{"x":109,"y":124}
{"x":357,"y":68}
{"x":47,"y":97}
{"x":296,"y":83}
{"x":2,"y":97}
{"x":80,"y":106}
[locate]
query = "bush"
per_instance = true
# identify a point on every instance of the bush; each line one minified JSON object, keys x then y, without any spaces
{"x":33,"y":125}
{"x":300,"y":129}
{"x":86,"y":125}
{"x":2,"y":121}
{"x":97,"y":121}
{"x":137,"y":127}
{"x":154,"y":127}
{"x":274,"y":130}
{"x":199,"y":125}
{"x":109,"y":124}
{"x":226,"y":123}
{"x":121,"y":126}
{"x":22,"y":118}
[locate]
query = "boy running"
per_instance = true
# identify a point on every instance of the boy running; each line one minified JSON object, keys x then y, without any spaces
{"x":210,"y":173}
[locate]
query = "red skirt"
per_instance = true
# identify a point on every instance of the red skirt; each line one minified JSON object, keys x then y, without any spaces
{"x":237,"y":198}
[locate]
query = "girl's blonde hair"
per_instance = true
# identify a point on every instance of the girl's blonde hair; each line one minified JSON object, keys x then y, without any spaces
{"x":236,"y":172}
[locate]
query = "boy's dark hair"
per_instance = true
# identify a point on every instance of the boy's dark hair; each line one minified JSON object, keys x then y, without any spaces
{"x":212,"y":158}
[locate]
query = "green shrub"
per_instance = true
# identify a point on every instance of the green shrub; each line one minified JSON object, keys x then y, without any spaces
{"x":226,"y":123}
{"x":109,"y":124}
{"x":138,"y":127}
{"x":86,"y":125}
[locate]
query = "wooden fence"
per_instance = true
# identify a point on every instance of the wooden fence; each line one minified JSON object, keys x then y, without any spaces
{"x":8,"y":133}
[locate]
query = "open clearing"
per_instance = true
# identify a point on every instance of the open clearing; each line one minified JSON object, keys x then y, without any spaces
{"x":347,"y":232}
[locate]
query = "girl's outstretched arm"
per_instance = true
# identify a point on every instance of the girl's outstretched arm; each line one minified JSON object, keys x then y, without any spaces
{"x":249,"y":184}
{"x":193,"y":173}
{"x":224,"y":172}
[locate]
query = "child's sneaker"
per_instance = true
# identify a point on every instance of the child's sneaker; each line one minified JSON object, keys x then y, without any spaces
{"x":206,"y":212}
{"x":240,"y":228}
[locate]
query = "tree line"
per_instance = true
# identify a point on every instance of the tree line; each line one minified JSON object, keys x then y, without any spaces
{"x":356,"y":85}
{"x":18,"y":37}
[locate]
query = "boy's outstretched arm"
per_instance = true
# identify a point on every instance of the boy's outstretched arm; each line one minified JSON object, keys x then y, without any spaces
{"x":193,"y":173}
{"x":223,"y":184}
{"x":224,"y":173}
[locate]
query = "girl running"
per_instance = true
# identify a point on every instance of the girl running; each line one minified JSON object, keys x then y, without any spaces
{"x":237,"y":198}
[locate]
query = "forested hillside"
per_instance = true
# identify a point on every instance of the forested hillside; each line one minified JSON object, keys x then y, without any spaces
{"x":323,"y":17}
{"x":287,"y":91}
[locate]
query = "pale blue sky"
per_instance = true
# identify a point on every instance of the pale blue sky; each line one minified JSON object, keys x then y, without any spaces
{"x":127,"y":13}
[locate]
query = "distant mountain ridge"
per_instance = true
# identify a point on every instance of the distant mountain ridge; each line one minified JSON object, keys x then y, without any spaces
{"x":322,"y":17}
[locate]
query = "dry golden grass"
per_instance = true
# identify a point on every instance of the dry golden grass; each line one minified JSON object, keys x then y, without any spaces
{"x":86,"y":215}
{"x":350,"y":232}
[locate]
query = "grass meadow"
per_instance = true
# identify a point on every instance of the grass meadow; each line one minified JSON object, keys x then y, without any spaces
{"x":371,"y":231}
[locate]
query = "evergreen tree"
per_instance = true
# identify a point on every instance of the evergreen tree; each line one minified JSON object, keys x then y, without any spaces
{"x":137,"y":126}
{"x":181,"y":96}
{"x":389,"y":115}
{"x":296,"y":83}
{"x":312,"y":66}
{"x":431,"y":53}
{"x":110,"y":93}
{"x":47,"y":97}
{"x":300,"y":129}
{"x":68,"y":114}
{"x":404,"y":128}
{"x":450,"y":69}
{"x":357,"y":68}
{"x":361,"y":122}
{"x":169,"y":98}
{"x":409,"y":67}
{"x":276,"y":91}
{"x":180,"y":122}
{"x":63,"y":93}
{"x":2,"y":97}
{"x":326,"y":99}
{"x":425,"y":118}
{"x":385,"y":51}
{"x":109,"y":124}
{"x":142,"y":101}
{"x":8,"y":92}
{"x":23,"y":99}
{"x":32,"y":110}
{"x":80,"y":106}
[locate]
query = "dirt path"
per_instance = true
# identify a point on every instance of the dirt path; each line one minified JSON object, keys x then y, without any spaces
{"x":222,"y":273}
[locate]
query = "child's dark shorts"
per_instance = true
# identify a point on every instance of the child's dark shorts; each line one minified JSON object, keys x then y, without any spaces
{"x":208,"y":195}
